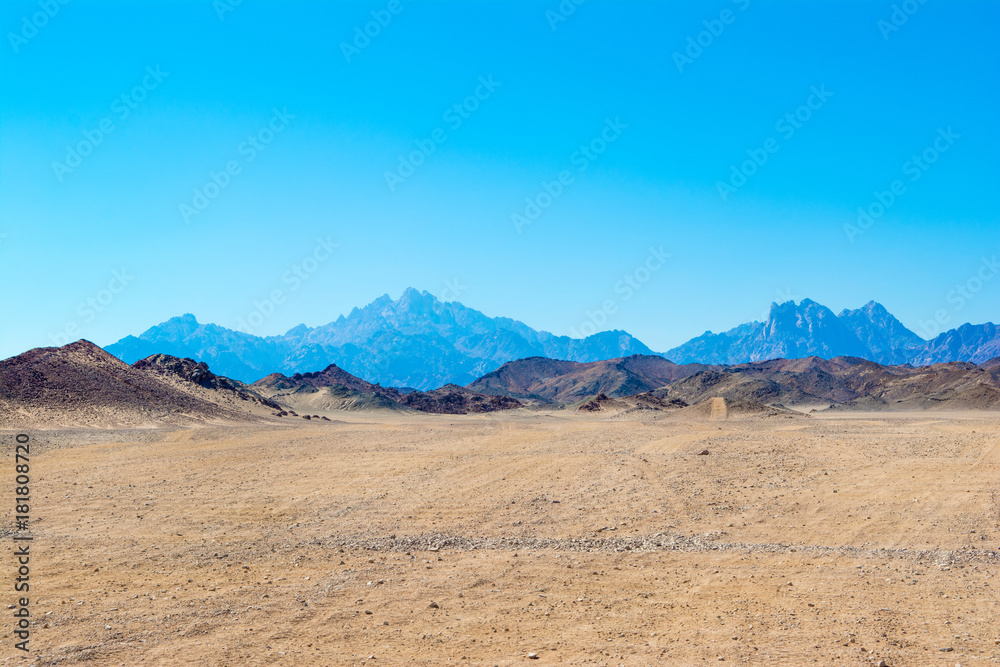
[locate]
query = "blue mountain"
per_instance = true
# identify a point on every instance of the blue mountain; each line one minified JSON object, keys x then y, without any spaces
{"x":421,"y":342}
{"x":415,"y":341}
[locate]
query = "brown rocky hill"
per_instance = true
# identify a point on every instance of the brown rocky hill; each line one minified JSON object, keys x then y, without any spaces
{"x":454,"y":400}
{"x":787,"y":381}
{"x":194,"y":377}
{"x":335,"y":389}
{"x":81,"y":385}
{"x":846,"y":382}
{"x":331,"y":376}
{"x":330,"y":389}
{"x":991,"y":365}
{"x":552,"y":381}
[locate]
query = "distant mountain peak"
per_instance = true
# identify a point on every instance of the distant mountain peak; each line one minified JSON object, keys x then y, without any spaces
{"x":413,"y":341}
{"x":421,"y":342}
{"x":801,"y":330}
{"x":297,"y":330}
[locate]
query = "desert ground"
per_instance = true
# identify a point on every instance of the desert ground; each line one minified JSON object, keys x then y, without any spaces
{"x":517,"y":538}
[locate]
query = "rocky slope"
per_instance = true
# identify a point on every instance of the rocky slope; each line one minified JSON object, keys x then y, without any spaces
{"x":335,"y":389}
{"x":82,"y":385}
{"x":551,"y":381}
{"x":454,"y":400}
{"x":195,"y":378}
{"x":969,"y":342}
{"x":883,"y":336}
{"x":845,"y":383}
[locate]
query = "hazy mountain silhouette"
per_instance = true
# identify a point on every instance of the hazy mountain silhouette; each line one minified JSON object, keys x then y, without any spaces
{"x":421,"y":342}
{"x":810,"y":329}
{"x":416,"y":341}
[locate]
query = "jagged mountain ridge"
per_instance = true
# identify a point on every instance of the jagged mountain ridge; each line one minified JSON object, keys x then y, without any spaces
{"x":415,"y":341}
{"x":811,"y":329}
{"x":421,"y":342}
{"x":885,"y":337}
{"x":797,"y":331}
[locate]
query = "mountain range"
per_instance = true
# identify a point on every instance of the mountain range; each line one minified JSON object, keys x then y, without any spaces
{"x":809,"y":329}
{"x":840,"y":383}
{"x":415,"y":341}
{"x":81,"y":385}
{"x":420,"y":342}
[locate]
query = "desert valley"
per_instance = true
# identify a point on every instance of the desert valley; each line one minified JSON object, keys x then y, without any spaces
{"x":631,"y":511}
{"x":499,"y":333}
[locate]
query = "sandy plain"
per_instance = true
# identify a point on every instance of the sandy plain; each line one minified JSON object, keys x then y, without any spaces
{"x":516,"y":538}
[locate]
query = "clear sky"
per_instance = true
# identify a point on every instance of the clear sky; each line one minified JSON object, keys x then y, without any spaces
{"x":119,"y":120}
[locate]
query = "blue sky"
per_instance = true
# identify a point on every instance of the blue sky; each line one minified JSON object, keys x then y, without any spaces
{"x":164,"y":97}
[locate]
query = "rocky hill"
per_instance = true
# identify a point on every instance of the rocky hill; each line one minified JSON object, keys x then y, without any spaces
{"x":81,"y":385}
{"x":551,"y":381}
{"x":335,"y":389}
{"x":845,"y":383}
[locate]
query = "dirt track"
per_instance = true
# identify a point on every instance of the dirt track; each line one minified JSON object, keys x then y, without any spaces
{"x":844,"y":540}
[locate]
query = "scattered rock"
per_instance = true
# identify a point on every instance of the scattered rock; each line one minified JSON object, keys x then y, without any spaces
{"x":434,"y":605}
{"x":703,"y":452}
